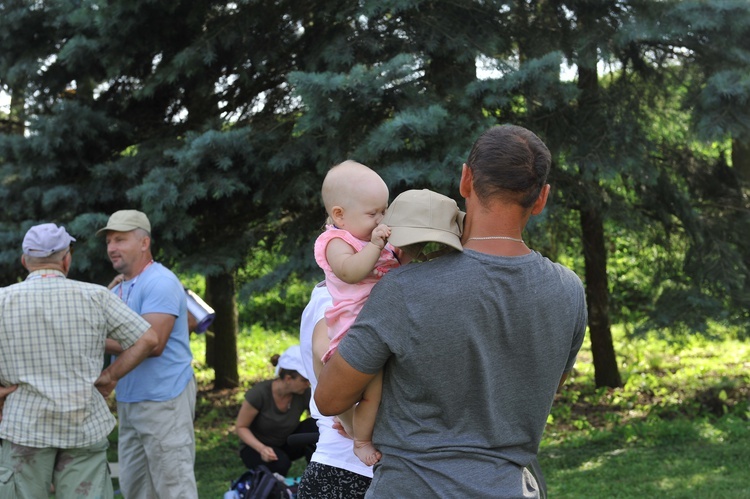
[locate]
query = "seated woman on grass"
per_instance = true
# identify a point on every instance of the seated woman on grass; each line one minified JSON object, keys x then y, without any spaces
{"x":271,"y":412}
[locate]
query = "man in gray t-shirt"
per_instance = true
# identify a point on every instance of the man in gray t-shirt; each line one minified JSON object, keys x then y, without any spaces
{"x":473,"y":345}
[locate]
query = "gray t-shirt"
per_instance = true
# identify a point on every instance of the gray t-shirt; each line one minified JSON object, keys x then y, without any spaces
{"x":473,"y":347}
{"x":272,"y":426}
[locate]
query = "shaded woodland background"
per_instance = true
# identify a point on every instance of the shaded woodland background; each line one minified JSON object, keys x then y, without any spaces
{"x":219,"y":120}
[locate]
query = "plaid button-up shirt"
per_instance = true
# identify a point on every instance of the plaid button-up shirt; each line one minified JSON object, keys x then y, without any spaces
{"x":52,"y":335}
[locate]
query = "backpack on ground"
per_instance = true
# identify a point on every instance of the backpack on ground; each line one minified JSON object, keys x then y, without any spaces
{"x":259,"y":483}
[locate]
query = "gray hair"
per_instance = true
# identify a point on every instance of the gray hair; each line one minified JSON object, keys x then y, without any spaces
{"x":54,"y":258}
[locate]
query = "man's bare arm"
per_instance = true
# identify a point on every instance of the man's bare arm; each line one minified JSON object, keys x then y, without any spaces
{"x":340,"y":386}
{"x":126,"y":362}
{"x":112,"y":346}
{"x":163,"y":325}
{"x":4,"y":392}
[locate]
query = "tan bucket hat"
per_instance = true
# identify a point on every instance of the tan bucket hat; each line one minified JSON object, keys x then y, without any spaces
{"x":422,"y":215}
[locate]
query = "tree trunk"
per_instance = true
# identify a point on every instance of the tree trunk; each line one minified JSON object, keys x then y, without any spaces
{"x":17,"y":117}
{"x":741,"y":160}
{"x":210,"y":343}
{"x":606,"y":372}
{"x":591,"y":119}
{"x":221,"y":290}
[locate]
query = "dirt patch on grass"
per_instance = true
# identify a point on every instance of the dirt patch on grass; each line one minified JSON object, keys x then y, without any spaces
{"x":221,"y":405}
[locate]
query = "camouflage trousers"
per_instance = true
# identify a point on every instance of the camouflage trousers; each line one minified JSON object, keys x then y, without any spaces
{"x":29,"y":472}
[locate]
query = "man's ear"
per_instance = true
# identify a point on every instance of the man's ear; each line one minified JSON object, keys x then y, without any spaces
{"x":67,"y":261}
{"x":466,"y":182}
{"x":23,"y":262}
{"x":541,"y":201}
{"x":337,"y":215}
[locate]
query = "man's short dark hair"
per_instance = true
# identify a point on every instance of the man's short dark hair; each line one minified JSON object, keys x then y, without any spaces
{"x":510,"y":161}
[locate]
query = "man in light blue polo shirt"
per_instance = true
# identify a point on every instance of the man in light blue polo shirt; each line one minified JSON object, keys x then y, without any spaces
{"x":156,"y":401}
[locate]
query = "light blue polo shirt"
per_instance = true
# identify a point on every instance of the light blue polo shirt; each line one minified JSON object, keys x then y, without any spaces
{"x":158,"y":290}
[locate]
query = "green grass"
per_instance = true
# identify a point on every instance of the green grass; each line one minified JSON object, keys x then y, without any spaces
{"x":705,"y":459}
{"x":217,"y":460}
{"x":679,"y":427}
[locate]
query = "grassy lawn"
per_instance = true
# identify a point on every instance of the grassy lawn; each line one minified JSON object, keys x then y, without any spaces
{"x":706,"y":460}
{"x":679,"y":427}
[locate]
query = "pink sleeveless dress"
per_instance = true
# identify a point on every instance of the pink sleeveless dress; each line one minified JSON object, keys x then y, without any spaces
{"x":348,"y":299}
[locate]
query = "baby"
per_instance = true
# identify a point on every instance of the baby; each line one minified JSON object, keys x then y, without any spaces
{"x":354,"y":253}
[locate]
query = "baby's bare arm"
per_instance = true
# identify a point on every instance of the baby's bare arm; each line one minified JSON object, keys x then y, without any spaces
{"x":351,"y":266}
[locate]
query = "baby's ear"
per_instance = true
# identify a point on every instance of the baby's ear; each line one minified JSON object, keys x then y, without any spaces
{"x":337,"y":214}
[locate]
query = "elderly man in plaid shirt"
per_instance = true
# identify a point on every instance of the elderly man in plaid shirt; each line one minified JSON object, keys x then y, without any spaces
{"x":54,"y":426}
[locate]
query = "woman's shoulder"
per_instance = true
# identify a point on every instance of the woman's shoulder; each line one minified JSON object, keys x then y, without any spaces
{"x":264,"y":385}
{"x":302,"y":401}
{"x":259,"y":389}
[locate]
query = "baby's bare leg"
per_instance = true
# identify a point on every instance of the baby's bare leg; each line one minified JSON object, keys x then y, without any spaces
{"x":345,"y":418}
{"x":364,"y":421}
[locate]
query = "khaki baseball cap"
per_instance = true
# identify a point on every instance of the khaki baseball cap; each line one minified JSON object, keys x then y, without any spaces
{"x":422,"y":215}
{"x":125,"y":221}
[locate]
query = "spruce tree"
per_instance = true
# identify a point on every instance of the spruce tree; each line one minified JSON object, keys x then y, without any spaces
{"x":173,"y":108}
